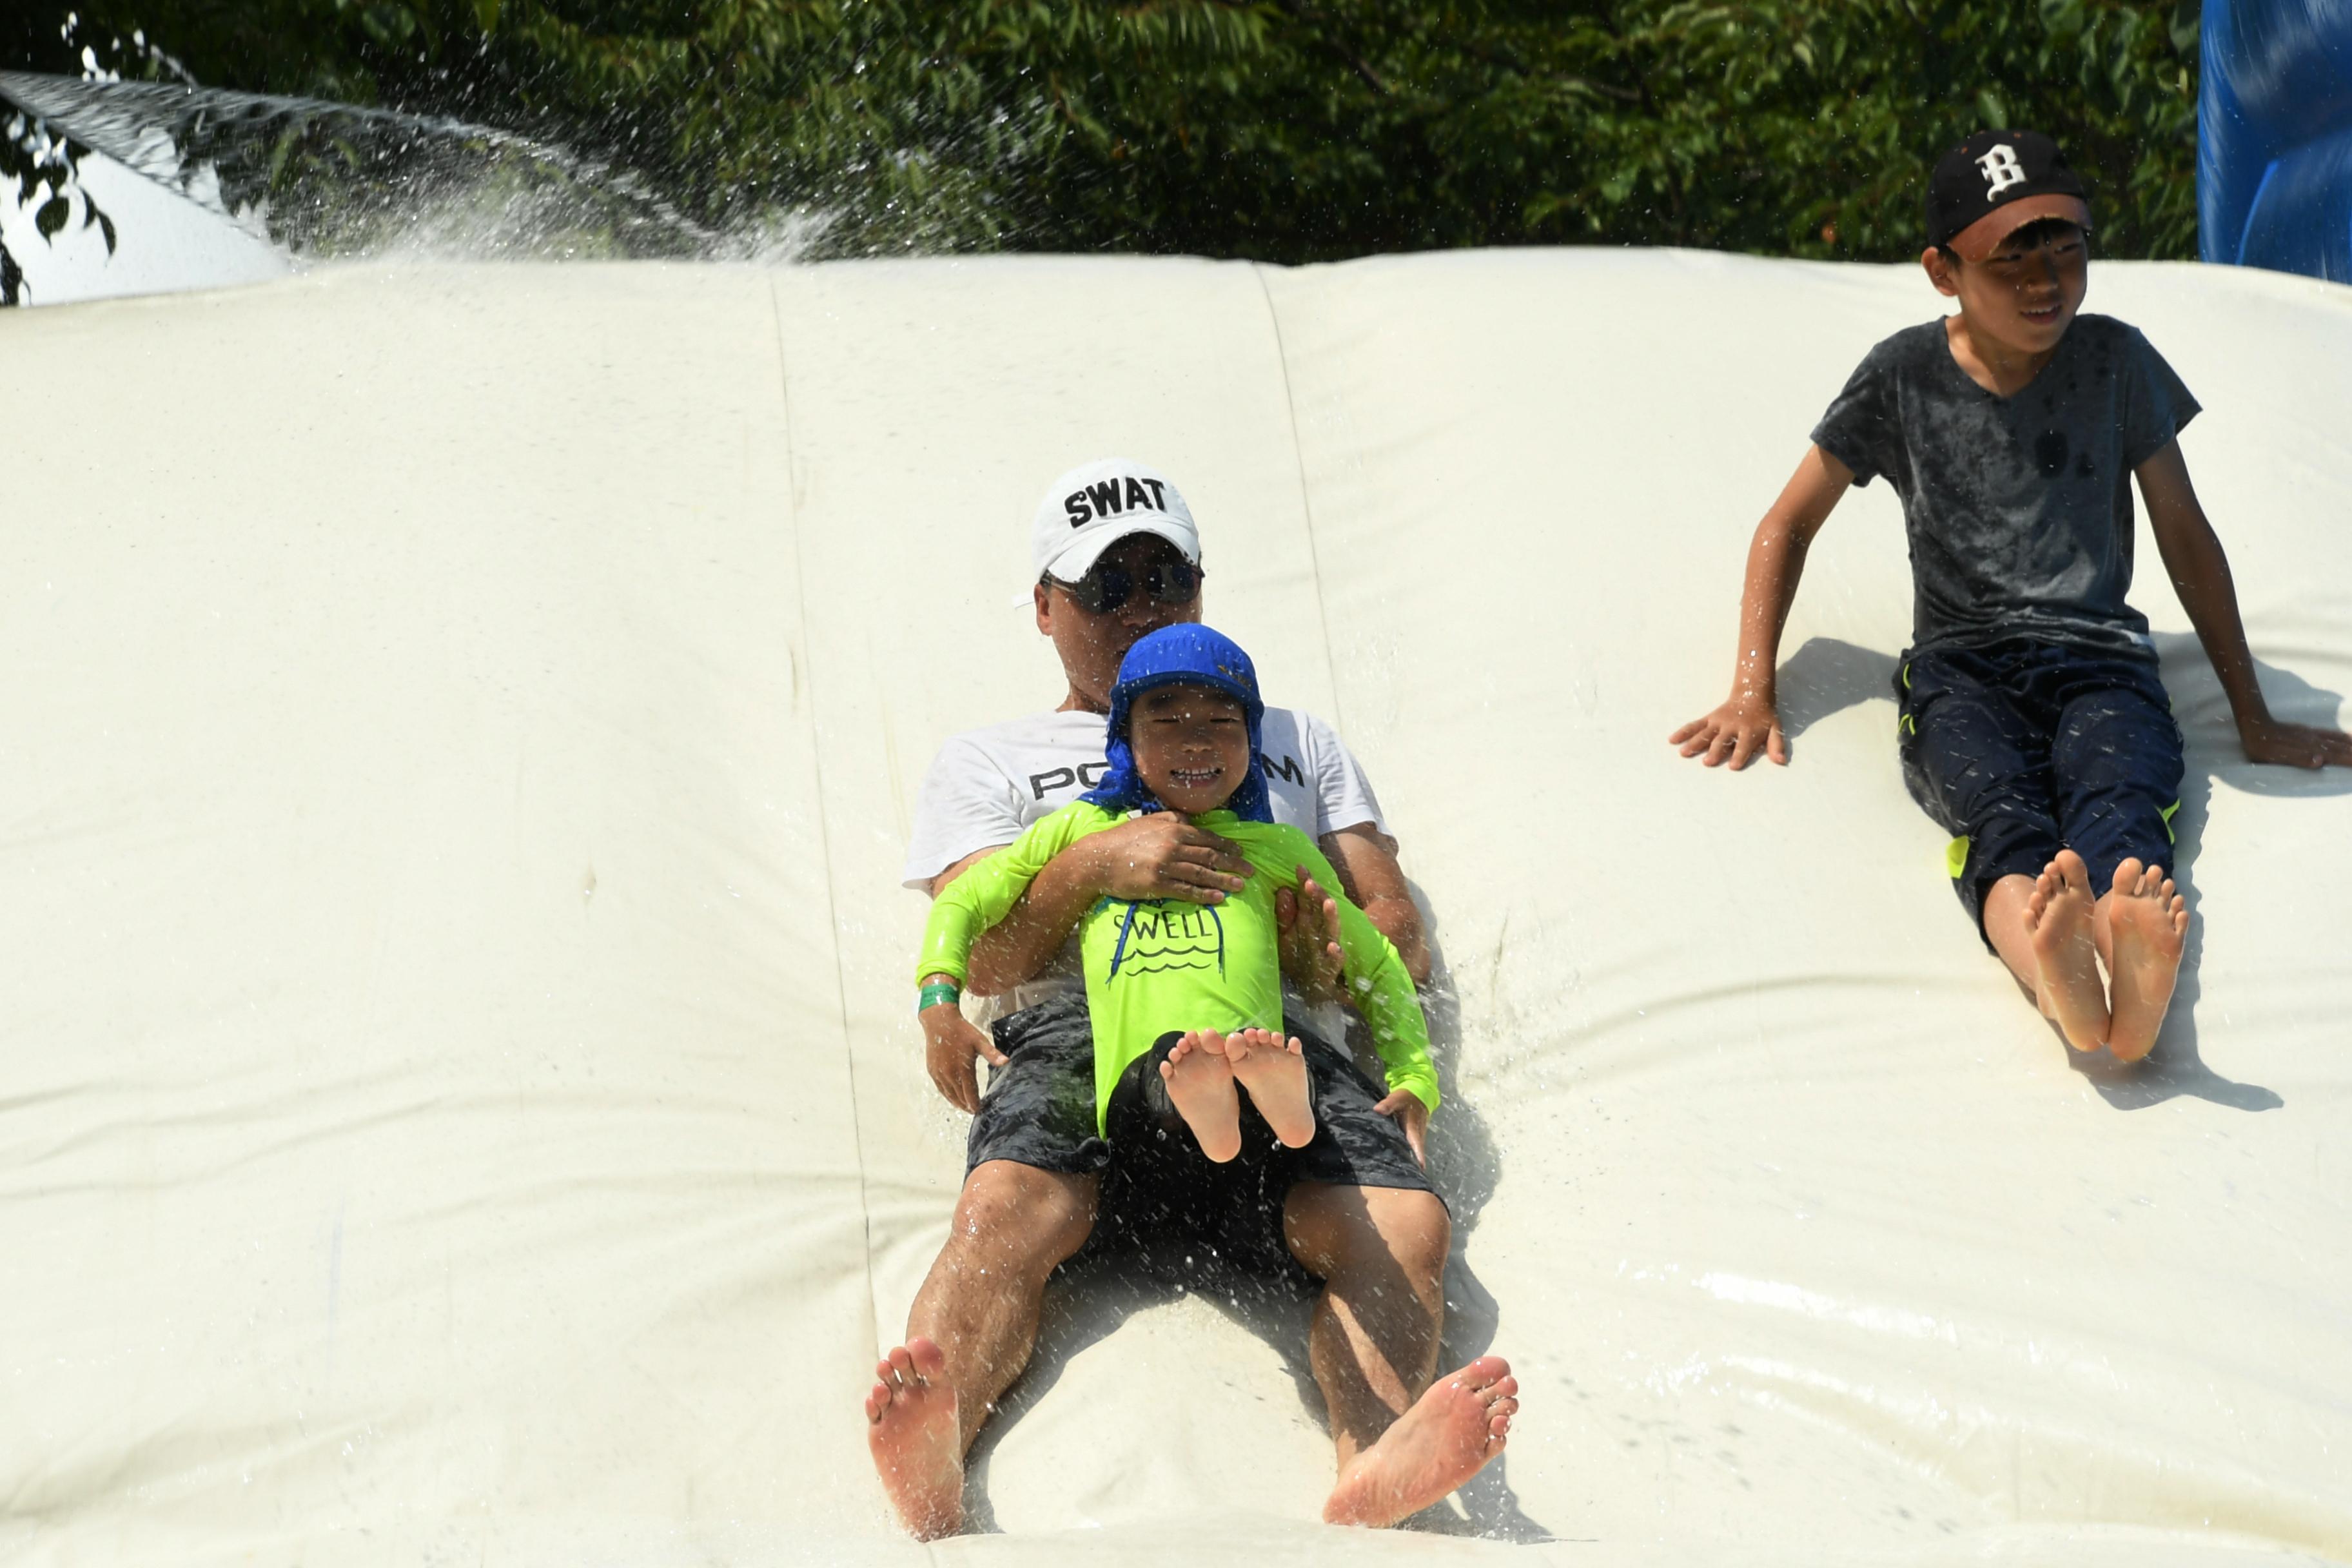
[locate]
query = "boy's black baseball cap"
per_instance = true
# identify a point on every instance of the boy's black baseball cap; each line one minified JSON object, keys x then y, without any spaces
{"x":1994,"y":183}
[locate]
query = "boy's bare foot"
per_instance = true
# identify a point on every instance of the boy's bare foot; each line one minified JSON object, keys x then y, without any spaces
{"x":2147,"y":922}
{"x":2058,"y":918}
{"x":910,"y":1427}
{"x":1201,"y":1081}
{"x":1444,"y":1439}
{"x":1274,"y":1074}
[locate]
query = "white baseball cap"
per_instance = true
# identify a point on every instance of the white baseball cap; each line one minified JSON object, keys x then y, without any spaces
{"x":1096,"y":504}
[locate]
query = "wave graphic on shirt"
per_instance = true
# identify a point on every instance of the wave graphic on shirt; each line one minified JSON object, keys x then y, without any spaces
{"x":1177,"y":963}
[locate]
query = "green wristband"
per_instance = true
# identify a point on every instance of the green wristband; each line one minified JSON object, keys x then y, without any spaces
{"x":932,"y":995}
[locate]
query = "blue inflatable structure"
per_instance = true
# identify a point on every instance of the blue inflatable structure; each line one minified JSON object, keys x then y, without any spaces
{"x":2274,"y":136}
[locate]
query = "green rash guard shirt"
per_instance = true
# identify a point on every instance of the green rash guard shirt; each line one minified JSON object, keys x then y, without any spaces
{"x":1157,"y":965}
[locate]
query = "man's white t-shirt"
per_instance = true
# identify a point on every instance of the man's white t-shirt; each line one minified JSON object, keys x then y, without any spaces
{"x":986,"y":785}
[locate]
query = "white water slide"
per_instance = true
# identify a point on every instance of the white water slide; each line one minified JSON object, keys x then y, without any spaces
{"x":460,"y":1099}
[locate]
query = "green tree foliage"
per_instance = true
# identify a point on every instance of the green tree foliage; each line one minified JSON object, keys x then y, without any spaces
{"x":1285,"y":130}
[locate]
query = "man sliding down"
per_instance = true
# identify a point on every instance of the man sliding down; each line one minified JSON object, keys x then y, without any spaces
{"x":1181,"y":999}
{"x":1117,"y":558}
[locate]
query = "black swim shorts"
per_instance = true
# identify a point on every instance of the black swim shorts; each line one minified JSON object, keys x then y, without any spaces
{"x":2024,"y":747}
{"x":1158,"y":1190}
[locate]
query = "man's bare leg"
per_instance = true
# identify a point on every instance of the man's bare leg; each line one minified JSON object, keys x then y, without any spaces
{"x":2044,"y":929}
{"x":970,"y":1333}
{"x":1402,"y":1444}
{"x":910,"y":1427}
{"x":1453,"y":1430}
{"x":2145,"y":922}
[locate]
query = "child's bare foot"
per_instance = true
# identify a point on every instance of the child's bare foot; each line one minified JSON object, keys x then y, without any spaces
{"x":1201,"y":1081}
{"x":1274,"y":1074}
{"x":910,"y":1427}
{"x":2058,"y":917}
{"x":1444,"y":1439}
{"x":2148,"y":922}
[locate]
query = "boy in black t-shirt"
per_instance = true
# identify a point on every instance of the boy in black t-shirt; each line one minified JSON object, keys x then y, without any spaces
{"x":2032,"y":723}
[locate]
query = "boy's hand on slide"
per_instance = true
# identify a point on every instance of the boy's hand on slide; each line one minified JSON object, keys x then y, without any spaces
{"x":1164,"y":857}
{"x":1308,"y":920}
{"x":1407,"y":1108}
{"x":2268,"y":739}
{"x":950,"y":1042}
{"x":1736,"y":732}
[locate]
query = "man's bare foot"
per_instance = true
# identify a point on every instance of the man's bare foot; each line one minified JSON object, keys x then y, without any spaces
{"x":1274,"y":1074}
{"x":1201,"y":1081}
{"x":1444,"y":1439}
{"x":2058,"y":917}
{"x":2147,"y":922}
{"x":911,"y":1429}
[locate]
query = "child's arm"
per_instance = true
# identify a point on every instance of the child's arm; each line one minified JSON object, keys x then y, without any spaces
{"x":972,"y":903}
{"x":1376,"y":981}
{"x":1749,"y":722}
{"x":2200,"y":575}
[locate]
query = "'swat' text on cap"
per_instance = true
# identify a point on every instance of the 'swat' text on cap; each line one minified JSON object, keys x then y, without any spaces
{"x":1096,"y":505}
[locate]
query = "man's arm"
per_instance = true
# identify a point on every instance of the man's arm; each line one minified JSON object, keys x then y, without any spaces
{"x":1374,"y":883}
{"x":1749,"y":721}
{"x":1160,"y":856}
{"x":2200,"y":575}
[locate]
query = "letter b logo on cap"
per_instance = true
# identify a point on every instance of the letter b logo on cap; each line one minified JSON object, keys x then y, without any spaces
{"x":2002,"y":169}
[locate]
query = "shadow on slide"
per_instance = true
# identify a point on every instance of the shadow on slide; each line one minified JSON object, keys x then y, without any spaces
{"x":1827,"y":676}
{"x":1093,"y":1295}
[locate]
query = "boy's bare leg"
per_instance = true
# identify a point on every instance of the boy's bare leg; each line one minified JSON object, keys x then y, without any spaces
{"x":1402,"y":1444}
{"x":1274,"y":1074}
{"x":1201,"y":1084}
{"x":2145,"y":922}
{"x":970,"y":1333}
{"x":2045,"y":930}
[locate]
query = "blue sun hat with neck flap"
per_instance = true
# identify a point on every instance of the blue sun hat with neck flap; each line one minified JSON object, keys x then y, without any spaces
{"x":1187,"y":654}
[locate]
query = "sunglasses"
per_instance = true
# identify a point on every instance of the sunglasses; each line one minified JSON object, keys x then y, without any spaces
{"x":1109,"y":586}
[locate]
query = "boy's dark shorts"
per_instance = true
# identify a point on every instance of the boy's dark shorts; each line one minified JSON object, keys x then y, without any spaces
{"x":2023,"y":748}
{"x":1160,"y":1194}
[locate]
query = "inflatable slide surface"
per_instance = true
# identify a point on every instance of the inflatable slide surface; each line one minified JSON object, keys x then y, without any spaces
{"x":459,"y":1100}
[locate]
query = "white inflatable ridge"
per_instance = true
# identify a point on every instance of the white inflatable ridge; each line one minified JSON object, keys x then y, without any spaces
{"x":458,"y":1094}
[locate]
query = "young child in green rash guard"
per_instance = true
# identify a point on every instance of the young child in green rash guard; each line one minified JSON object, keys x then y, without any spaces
{"x":2031,"y":724}
{"x":1197,"y":986}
